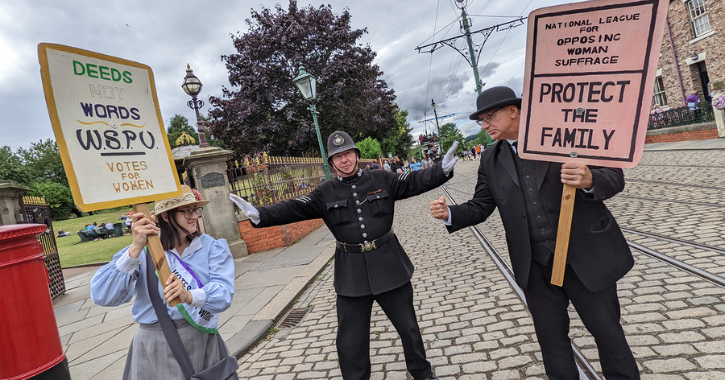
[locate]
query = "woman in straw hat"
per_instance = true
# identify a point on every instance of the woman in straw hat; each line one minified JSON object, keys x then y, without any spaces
{"x":202,"y":278}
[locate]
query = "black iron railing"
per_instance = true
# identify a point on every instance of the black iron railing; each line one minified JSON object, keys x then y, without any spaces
{"x":263,"y":180}
{"x":682,"y":116}
{"x":36,"y":210}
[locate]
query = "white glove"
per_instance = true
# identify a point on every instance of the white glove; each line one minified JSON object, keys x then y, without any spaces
{"x":450,"y":159}
{"x":250,"y":211}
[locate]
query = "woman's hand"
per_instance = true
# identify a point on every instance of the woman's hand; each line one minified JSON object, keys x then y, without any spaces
{"x":175,"y":288}
{"x":141,"y":228}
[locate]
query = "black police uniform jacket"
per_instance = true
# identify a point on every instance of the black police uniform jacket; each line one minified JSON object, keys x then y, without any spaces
{"x":598,"y":252}
{"x":358,"y":209}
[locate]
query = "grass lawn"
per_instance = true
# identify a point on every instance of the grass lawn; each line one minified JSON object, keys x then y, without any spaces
{"x":72,"y":252}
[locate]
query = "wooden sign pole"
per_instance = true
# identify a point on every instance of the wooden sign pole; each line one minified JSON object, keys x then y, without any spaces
{"x":562,"y":235}
{"x":153,"y":242}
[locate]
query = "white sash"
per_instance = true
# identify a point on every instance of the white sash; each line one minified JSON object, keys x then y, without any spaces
{"x":201,"y":319}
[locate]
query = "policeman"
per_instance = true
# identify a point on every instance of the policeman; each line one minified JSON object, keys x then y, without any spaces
{"x":370,"y":264}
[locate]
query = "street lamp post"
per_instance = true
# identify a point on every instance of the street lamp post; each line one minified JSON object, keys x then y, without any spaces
{"x":307,"y":84}
{"x":192,"y":86}
{"x":433,"y":104}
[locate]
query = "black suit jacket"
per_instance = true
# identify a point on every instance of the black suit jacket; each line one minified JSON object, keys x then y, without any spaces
{"x":357,"y":210}
{"x":598,"y":252}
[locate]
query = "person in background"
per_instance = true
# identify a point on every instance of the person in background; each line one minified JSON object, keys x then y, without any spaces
{"x":473,"y":152}
{"x":202,"y":279}
{"x":370,"y":264}
{"x":415,"y":165}
{"x":376,"y":166}
{"x":424,"y":162}
{"x":386,"y":166}
{"x":396,"y":165}
{"x":109,"y":226}
{"x":692,"y":101}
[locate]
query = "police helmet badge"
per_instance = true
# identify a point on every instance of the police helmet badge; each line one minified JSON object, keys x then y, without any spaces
{"x":338,"y":140}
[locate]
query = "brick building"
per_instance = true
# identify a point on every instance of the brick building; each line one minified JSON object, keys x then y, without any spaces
{"x":692,"y":54}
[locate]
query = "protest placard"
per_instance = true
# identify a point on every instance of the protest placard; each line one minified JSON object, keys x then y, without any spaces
{"x":589,"y":79}
{"x":110,"y":133}
{"x":590,"y":72}
{"x":108,"y":128}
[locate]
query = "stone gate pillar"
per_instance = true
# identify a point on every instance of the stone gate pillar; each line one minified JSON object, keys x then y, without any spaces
{"x":208,"y":170}
{"x":9,"y":202}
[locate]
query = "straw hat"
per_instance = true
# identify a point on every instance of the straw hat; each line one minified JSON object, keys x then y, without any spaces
{"x":187,"y":197}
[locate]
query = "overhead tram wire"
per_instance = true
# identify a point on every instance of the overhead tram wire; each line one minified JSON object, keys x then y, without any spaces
{"x":504,"y":38}
{"x":430,"y":66}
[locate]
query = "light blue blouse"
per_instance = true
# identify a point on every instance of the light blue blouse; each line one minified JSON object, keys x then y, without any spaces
{"x":124,"y":277}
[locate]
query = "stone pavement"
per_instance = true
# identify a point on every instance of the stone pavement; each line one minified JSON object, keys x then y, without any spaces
{"x":96,"y":339}
{"x":475,"y":327}
{"x":473,"y":324}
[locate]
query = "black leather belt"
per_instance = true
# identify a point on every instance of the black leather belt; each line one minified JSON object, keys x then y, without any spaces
{"x":366,"y":245}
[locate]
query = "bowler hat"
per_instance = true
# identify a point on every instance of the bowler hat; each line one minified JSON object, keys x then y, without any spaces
{"x":495,"y":97}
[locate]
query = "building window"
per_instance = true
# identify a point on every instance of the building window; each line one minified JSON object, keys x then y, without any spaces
{"x":698,"y":17}
{"x":659,"y":94}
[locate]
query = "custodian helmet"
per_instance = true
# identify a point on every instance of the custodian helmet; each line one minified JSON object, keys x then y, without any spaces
{"x":339,"y":142}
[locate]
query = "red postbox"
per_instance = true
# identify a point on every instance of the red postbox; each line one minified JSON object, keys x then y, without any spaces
{"x":29,"y":341}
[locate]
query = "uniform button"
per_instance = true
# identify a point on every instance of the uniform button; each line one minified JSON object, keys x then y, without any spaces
{"x":534,"y":202}
{"x":362,"y":226}
{"x":548,"y":242}
{"x":538,"y":215}
{"x":378,"y":197}
{"x":357,"y":202}
{"x":354,"y":187}
{"x":335,"y":206}
{"x":543,"y":230}
{"x":354,"y":194}
{"x":528,"y":176}
{"x":531,"y":188}
{"x":359,"y":211}
{"x":365,"y":235}
{"x":360,"y":219}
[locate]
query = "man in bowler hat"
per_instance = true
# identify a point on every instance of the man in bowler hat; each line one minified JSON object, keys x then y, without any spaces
{"x":528,"y":196}
{"x":370,"y":264}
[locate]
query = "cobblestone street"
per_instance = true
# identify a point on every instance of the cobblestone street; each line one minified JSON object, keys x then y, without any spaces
{"x":474,"y":324}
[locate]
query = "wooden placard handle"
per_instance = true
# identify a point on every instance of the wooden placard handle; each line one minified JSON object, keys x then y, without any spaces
{"x":562,"y":235}
{"x":153,"y":242}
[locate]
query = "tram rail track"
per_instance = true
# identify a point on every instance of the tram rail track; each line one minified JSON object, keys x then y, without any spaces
{"x":585,"y":368}
{"x":681,"y":265}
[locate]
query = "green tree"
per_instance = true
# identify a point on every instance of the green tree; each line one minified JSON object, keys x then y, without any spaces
{"x":398,"y":139}
{"x":42,"y":163}
{"x":480,"y":138}
{"x":11,"y":167}
{"x":369,"y":148}
{"x":177,"y":126}
{"x":449,"y":134}
{"x":58,"y":197}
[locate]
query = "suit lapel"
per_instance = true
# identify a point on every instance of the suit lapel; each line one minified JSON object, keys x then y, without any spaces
{"x":505,"y":156}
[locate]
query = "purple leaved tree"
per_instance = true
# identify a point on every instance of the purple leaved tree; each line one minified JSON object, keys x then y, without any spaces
{"x":263,"y":111}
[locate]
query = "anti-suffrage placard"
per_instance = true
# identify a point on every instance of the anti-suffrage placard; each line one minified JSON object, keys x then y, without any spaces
{"x":590,"y":72}
{"x":108,"y":127}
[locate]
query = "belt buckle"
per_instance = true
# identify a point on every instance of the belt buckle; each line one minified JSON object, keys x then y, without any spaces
{"x":367,"y":246}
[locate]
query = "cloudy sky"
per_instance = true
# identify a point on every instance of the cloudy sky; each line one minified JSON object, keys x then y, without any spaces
{"x":166,"y":35}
